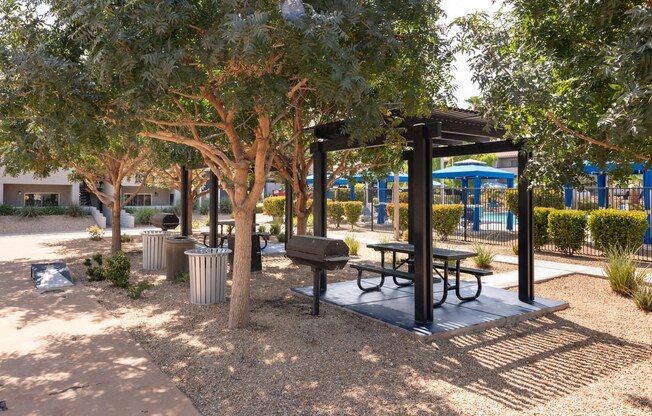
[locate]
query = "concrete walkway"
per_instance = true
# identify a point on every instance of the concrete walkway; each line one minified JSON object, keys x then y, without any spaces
{"x":64,"y":354}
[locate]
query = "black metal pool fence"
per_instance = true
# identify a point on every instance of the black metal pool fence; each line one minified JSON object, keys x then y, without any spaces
{"x":487,"y":217}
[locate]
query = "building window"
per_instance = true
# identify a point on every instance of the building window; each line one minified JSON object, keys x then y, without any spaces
{"x":140,"y":200}
{"x":513,"y":163}
{"x":41,"y":200}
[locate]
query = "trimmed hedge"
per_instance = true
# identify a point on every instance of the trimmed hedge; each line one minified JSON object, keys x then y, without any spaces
{"x":541,"y":234}
{"x":402,"y":212}
{"x":445,"y":218}
{"x":545,"y":198}
{"x":274,"y":206}
{"x":335,"y":211}
{"x":403,"y":197}
{"x":353,"y":212}
{"x":344,"y":194}
{"x":610,"y":228}
{"x":567,"y":229}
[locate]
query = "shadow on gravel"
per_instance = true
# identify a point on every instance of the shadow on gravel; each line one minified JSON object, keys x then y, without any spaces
{"x":537,"y":361}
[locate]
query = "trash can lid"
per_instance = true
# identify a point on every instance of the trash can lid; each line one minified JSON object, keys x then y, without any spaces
{"x":207,"y":251}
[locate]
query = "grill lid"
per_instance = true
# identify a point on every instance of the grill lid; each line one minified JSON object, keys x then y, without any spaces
{"x":318,"y":246}
{"x":164,"y":220}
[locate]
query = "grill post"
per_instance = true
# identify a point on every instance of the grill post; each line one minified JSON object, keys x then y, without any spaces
{"x":316,"y":290}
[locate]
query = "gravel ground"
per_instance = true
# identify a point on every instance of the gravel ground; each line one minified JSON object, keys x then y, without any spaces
{"x":593,"y":358}
{"x":46,"y":223}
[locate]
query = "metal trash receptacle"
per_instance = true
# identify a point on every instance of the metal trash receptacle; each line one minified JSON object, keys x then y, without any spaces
{"x":175,"y":257}
{"x":154,"y":249}
{"x":207,"y":275}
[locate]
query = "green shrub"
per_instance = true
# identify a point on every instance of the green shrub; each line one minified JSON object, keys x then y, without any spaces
{"x":274,"y":206}
{"x":280,"y":237}
{"x":643,"y":298}
{"x":403,"y":197}
{"x":335,"y":211}
{"x":182,"y":278}
{"x":567,"y":229}
{"x":353,"y":212}
{"x":445,"y":218}
{"x":275,"y":228}
{"x":96,"y":233}
{"x":225,"y":206}
{"x":544,"y":198}
{"x":144,"y":215}
{"x":353,"y":244}
{"x":402,"y":214}
{"x":485,"y":256}
{"x":29,"y":212}
{"x":205,"y":206}
{"x":95,"y":272}
{"x":52,"y":210}
{"x":262,"y":229}
{"x":176,"y":209}
{"x":611,"y":227}
{"x":136,"y":291}
{"x":621,"y":271}
{"x":7,"y":210}
{"x":515,"y":249}
{"x":259,"y":208}
{"x":344,"y":194}
{"x":587,"y":205}
{"x":405,"y":236}
{"x":75,"y":210}
{"x":117,"y":269}
{"x":541,"y":233}
{"x":126,"y":238}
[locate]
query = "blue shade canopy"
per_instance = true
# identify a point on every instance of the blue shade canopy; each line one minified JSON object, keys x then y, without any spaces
{"x":471,"y":171}
{"x":340,"y":181}
{"x":403,"y":177}
{"x":637,"y":168}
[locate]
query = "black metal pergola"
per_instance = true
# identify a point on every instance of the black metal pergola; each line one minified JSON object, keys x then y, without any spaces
{"x":444,"y":133}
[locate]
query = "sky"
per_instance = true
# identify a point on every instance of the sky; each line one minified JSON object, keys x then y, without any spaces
{"x":461,"y":72}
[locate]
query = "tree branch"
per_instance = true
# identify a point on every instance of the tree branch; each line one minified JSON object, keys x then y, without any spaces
{"x":580,"y":136}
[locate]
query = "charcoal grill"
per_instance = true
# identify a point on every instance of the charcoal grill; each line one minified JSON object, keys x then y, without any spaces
{"x":164,"y":221}
{"x":320,"y":253}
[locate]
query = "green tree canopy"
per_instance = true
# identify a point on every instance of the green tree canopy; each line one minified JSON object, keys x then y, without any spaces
{"x":571,"y":79}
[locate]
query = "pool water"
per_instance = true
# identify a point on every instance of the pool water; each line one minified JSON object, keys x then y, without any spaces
{"x":497,"y":217}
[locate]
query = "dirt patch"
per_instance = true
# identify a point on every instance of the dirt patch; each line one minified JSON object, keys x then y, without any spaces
{"x":43,"y":224}
{"x":593,"y":358}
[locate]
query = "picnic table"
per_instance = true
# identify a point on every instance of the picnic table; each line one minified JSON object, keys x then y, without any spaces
{"x":221,"y":235}
{"x":444,"y":255}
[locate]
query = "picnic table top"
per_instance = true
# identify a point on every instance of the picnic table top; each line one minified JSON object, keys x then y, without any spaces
{"x":438,"y":253}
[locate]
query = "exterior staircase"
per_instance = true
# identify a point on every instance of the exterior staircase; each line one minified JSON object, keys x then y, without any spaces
{"x":84,"y":195}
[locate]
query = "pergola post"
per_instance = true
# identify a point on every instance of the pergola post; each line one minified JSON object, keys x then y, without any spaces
{"x":421,"y":230}
{"x":289,"y":212}
{"x":319,"y":216}
{"x":213,"y":211}
{"x":184,"y":202}
{"x":525,"y":232}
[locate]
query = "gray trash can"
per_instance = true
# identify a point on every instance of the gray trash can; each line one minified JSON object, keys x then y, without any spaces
{"x":175,"y":257}
{"x":154,"y":249}
{"x":207,"y":275}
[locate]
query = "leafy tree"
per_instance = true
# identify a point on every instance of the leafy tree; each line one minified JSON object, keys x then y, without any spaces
{"x":570,"y":79}
{"x":52,"y":117}
{"x":222,"y":76}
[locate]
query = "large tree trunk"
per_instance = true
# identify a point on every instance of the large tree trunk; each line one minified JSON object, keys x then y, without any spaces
{"x":243,"y":212}
{"x":116,"y":244}
{"x":395,"y":201}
